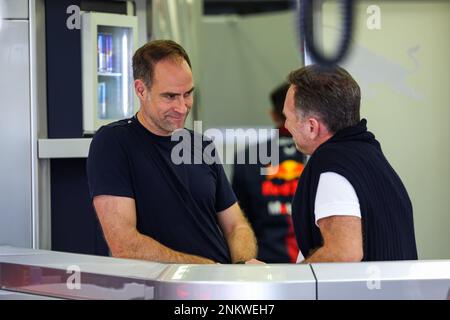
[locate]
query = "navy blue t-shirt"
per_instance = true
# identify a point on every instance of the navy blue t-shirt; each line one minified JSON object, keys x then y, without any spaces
{"x":176,"y":205}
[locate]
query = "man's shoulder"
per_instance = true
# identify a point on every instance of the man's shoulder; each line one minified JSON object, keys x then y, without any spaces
{"x":112,"y":135}
{"x":345,"y":152}
{"x":341,"y":158}
{"x":123,"y":123}
{"x":110,"y":129}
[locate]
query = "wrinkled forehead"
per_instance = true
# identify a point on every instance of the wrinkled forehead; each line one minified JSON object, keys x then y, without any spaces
{"x":291,"y":89}
{"x":290,"y":95}
{"x":173,"y":73}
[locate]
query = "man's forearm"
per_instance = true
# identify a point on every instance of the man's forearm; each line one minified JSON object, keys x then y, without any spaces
{"x":319,"y":255}
{"x":139,"y":246}
{"x":329,"y":254}
{"x":242,"y":243}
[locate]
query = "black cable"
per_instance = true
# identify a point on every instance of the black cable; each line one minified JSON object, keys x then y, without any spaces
{"x":305,"y":20}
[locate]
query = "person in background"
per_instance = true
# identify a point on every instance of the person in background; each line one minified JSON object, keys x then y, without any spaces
{"x":149,"y":207}
{"x":266,"y":199}
{"x":350,"y":204}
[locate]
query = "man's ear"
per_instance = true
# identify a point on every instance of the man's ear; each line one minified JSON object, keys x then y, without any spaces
{"x":313,"y":128}
{"x":140,"y":88}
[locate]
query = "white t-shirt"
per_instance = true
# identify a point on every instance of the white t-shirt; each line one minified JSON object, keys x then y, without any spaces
{"x":335,"y":196}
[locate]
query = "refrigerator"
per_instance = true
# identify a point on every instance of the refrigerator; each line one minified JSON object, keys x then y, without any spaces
{"x":108,"y":44}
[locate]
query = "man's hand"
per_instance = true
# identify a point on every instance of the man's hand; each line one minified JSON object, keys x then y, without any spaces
{"x":254,"y":261}
{"x":238,"y":233}
{"x":342,"y":240}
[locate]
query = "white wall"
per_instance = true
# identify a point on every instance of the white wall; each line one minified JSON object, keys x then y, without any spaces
{"x":243,"y":58}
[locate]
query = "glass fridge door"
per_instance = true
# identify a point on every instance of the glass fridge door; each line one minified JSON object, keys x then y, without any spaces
{"x":114,"y":77}
{"x":107,"y":71}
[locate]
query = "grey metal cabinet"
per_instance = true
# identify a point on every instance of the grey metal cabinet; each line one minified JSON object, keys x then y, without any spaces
{"x":15,"y":124}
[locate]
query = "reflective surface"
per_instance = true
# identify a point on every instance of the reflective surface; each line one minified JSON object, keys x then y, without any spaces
{"x":281,"y":281}
{"x":384,"y":280}
{"x":39,"y":273}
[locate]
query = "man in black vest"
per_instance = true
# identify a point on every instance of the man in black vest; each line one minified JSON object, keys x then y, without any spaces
{"x":350,"y":205}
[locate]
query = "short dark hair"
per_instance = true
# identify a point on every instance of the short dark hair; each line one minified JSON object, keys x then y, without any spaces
{"x":277,"y":97}
{"x":329,"y":93}
{"x":146,"y":57}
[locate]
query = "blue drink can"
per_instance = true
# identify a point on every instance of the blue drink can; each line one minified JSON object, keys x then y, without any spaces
{"x":109,"y":52}
{"x":101,"y":52}
{"x":101,"y":91}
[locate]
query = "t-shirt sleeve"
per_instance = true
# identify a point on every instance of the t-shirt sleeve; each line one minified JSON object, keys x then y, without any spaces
{"x":107,"y":166}
{"x":335,"y":196}
{"x":225,"y":196}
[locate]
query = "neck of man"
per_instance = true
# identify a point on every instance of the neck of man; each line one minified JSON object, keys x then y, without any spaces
{"x":321,"y":140}
{"x":148,"y":124}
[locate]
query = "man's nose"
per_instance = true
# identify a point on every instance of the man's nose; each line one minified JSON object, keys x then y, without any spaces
{"x":181,"y":105}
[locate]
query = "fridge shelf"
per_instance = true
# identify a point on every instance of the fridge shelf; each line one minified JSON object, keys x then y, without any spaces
{"x":109,"y":74}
